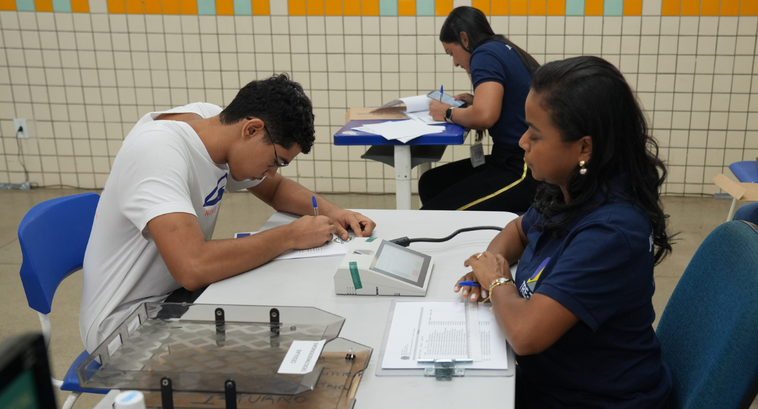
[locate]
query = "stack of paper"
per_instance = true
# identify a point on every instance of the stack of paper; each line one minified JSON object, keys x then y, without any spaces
{"x":418,"y":107}
{"x":402,"y":131}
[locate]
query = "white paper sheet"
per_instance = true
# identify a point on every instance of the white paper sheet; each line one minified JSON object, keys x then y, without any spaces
{"x":301,"y":357}
{"x":400,"y":130}
{"x":437,"y":330}
{"x":424,"y":117}
{"x":334,"y":247}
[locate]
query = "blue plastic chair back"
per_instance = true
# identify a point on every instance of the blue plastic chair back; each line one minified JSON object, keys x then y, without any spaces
{"x":745,"y":171}
{"x":709,"y":328}
{"x":53,"y":237}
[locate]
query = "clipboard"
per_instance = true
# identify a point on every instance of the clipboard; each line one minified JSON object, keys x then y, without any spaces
{"x":404,"y":320}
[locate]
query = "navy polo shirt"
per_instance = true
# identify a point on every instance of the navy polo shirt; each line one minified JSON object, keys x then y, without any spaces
{"x":495,"y":61}
{"x":602,"y":271}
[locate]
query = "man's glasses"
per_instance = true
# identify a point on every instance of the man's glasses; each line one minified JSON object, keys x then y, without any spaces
{"x":278,"y":163}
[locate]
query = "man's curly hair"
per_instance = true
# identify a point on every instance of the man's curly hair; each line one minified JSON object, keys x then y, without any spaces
{"x":281,"y":104}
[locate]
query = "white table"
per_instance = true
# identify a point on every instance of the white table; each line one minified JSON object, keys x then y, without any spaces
{"x":309,"y":282}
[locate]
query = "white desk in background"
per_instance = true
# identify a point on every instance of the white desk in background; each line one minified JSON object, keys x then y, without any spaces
{"x":428,"y":148}
{"x":309,"y":282}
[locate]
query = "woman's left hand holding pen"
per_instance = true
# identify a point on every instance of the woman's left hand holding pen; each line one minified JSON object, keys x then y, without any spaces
{"x":469,"y":287}
{"x":437,"y":110}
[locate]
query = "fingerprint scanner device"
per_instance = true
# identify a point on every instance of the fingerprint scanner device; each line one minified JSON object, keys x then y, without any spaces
{"x":373,"y":266}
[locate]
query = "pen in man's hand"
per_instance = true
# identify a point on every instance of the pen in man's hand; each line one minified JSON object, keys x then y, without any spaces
{"x":315,"y":206}
{"x":469,"y":284}
{"x":440,"y":93}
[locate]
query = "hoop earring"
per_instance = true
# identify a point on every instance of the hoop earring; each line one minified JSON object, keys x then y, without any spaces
{"x":583,"y":170}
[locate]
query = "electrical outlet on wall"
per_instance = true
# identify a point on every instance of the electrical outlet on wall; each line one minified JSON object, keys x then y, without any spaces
{"x":22,"y":130}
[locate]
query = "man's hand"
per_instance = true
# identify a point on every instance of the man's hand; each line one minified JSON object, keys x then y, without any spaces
{"x":309,"y":231}
{"x":361,"y":225}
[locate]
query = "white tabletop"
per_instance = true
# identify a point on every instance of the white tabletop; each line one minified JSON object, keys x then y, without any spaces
{"x":309,"y":282}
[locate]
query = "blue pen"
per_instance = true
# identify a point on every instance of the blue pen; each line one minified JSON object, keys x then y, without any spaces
{"x":440,"y":93}
{"x":315,"y":206}
{"x":469,"y":284}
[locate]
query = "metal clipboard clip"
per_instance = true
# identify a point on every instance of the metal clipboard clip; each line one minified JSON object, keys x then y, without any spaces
{"x":444,"y":369}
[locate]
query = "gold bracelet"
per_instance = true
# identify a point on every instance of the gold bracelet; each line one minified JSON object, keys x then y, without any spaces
{"x":495,"y":283}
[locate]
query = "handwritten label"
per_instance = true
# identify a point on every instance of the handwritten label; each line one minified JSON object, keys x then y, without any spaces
{"x":301,"y":357}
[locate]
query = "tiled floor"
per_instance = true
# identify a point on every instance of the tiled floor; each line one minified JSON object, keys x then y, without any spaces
{"x":692,"y":218}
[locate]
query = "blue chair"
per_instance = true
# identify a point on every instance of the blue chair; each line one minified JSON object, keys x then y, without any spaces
{"x":745,"y":171}
{"x":53,"y":237}
{"x":709,"y":328}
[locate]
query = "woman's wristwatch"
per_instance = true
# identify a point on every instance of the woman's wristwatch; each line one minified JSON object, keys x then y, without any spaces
{"x":449,"y":115}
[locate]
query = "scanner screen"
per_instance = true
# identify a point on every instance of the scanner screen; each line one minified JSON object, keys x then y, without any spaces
{"x":402,"y":263}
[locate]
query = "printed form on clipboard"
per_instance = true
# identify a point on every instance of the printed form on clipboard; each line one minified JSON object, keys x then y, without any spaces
{"x":426,"y":331}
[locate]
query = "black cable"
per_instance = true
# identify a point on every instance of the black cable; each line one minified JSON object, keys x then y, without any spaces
{"x":405,"y":241}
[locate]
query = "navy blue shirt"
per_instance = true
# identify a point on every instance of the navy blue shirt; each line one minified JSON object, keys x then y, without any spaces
{"x":602,"y":271}
{"x":497,"y":62}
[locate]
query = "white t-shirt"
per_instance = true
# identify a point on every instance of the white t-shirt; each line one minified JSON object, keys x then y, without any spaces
{"x":163,"y":167}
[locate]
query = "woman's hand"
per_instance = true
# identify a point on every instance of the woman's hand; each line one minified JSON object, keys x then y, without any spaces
{"x":474,"y":291}
{"x":437,"y":110}
{"x":486,"y":268}
{"x":466,"y":98}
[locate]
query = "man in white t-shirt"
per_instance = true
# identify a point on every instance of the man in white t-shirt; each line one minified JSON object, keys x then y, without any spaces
{"x":155,"y":219}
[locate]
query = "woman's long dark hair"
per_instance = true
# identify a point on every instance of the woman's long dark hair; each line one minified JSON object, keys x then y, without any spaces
{"x":474,"y":23}
{"x":589,"y":96}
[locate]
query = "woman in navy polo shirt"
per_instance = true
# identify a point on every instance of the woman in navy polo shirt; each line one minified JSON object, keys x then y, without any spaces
{"x":500,"y":72}
{"x":579,"y":312}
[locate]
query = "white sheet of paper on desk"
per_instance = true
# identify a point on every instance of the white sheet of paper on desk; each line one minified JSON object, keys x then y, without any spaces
{"x":301,"y":357}
{"x":400,"y":130}
{"x":334,"y":247}
{"x":423,"y":116}
{"x":437,"y":330}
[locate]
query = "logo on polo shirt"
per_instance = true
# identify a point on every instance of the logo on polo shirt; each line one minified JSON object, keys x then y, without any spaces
{"x":527,"y":287}
{"x":217,"y":193}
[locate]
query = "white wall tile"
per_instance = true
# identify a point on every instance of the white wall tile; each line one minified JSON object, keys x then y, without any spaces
{"x":370,"y":25}
{"x":649,"y":44}
{"x":651,"y":25}
{"x":334,"y":44}
{"x":574,"y":25}
{"x":316,"y":25}
{"x":517,"y":25}
{"x":555,"y":25}
{"x":708,"y":26}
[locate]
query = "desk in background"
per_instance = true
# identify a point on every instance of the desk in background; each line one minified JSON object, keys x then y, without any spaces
{"x":309,"y":282}
{"x":419,"y":151}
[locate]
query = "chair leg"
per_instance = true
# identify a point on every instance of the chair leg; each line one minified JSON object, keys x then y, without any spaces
{"x":71,"y":400}
{"x":731,"y":210}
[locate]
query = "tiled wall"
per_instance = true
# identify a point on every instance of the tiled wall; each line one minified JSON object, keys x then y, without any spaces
{"x":82,"y":72}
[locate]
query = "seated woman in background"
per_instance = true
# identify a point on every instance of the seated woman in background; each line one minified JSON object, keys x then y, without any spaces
{"x":501,"y":73}
{"x":579,"y":313}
